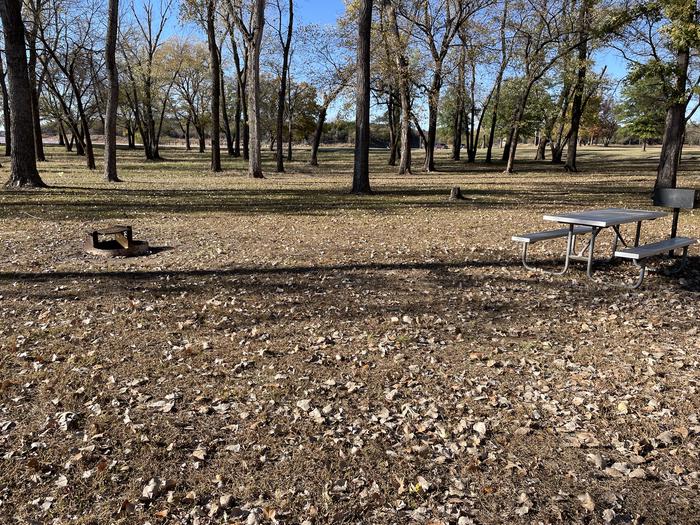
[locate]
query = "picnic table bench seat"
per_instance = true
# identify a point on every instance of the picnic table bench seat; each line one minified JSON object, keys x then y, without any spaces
{"x":534,"y":237}
{"x":655,"y":248}
{"x":531,"y":238}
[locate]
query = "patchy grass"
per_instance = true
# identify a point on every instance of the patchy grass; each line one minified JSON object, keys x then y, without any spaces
{"x":294,"y":353}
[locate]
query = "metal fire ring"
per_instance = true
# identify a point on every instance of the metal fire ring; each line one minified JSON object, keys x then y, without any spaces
{"x":115,"y":241}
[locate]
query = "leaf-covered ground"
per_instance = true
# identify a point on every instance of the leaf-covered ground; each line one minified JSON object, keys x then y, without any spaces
{"x":294,"y":354}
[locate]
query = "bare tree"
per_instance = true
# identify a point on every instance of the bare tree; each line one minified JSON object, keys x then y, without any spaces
{"x":399,"y":46}
{"x":69,"y":45}
{"x":23,"y":170}
{"x":35,"y":8}
{"x":505,"y":49}
{"x":150,"y":89}
{"x":329,"y":67}
{"x":224,"y":106}
{"x":113,"y":93}
{"x":191,"y":86}
{"x":577,"y":107}
{"x":252,"y":33}
{"x":437,"y":23}
{"x":241,"y":133}
{"x":285,"y":41}
{"x":538,"y":29}
{"x":214,"y":65}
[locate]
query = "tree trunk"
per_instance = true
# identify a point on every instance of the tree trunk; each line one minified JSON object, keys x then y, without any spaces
{"x":458,"y":119}
{"x":557,"y":154}
{"x":188,"y":143}
{"x":506,"y":146}
{"x":5,"y":109}
{"x":68,"y":141}
{"x":87,"y":139}
{"x":515,"y":130}
{"x":404,"y":92}
{"x":474,"y":127}
{"x":241,"y":100}
{"x":360,"y":178}
{"x":201,"y":135}
{"x":214,"y":67}
{"x":499,"y":81}
{"x":457,"y":134}
{"x":79,"y":145}
{"x":113,"y":93}
{"x":224,"y":113}
{"x":282,"y":92}
{"x":130,"y":135}
{"x":237,"y":123}
{"x":674,"y":131}
{"x":290,"y":124}
{"x":393,"y":136}
{"x":541,"y":149}
{"x":577,"y":103}
{"x":433,"y":102}
{"x":23,"y":170}
{"x":253,"y":64}
{"x":318,"y":132}
{"x":33,"y":89}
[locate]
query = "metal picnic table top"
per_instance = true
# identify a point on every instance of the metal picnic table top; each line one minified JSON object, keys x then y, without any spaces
{"x":606,"y":217}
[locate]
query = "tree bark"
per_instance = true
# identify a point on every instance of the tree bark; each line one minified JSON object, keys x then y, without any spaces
{"x":515,"y":130}
{"x":674,"y":131}
{"x":360,"y":178}
{"x":5,"y":109}
{"x":237,"y":123}
{"x":457,"y":123}
{"x":577,"y":103}
{"x":290,"y":122}
{"x":224,"y":113}
{"x":433,"y":102}
{"x":494,"y":116}
{"x":404,"y":92}
{"x":214,"y":65}
{"x":282,"y":92}
{"x":318,"y":132}
{"x":458,"y":119}
{"x":253,"y":80}
{"x":393,"y":135}
{"x":33,"y":88}
{"x":499,"y":80}
{"x":541,"y":149}
{"x":113,"y":93}
{"x":23,"y":170}
{"x":202,"y":138}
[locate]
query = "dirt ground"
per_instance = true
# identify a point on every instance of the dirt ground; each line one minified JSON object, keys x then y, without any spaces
{"x":294,"y":354}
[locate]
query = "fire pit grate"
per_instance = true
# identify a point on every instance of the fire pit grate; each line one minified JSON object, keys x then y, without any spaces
{"x":115,"y":241}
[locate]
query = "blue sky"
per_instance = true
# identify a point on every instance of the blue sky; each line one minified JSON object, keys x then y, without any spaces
{"x":320,"y":12}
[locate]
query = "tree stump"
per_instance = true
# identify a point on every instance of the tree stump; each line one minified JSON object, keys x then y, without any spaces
{"x":456,"y":194}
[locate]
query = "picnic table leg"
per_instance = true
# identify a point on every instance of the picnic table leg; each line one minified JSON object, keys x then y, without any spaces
{"x":591,"y":248}
{"x":567,"y":259}
{"x":638,"y":234}
{"x":642,"y":270}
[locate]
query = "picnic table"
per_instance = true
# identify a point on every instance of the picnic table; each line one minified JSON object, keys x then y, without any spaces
{"x":595,"y":221}
{"x":591,"y":222}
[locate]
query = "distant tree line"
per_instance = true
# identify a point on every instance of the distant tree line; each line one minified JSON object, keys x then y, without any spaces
{"x":477,"y":74}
